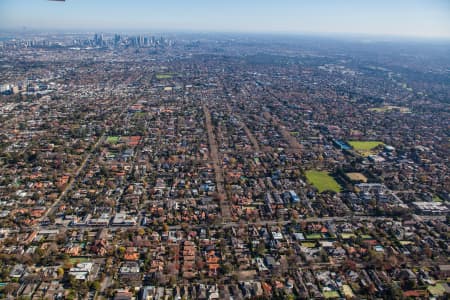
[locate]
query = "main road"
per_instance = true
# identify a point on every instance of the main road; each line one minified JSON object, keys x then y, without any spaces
{"x":214,"y":155}
{"x":230,"y":224}
{"x":73,"y":179}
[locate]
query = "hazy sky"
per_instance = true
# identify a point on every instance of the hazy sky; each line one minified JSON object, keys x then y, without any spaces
{"x":425,"y":18}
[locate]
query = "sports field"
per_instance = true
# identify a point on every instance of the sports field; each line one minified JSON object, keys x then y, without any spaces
{"x":388,"y":108}
{"x":313,"y":236}
{"x":364,"y":145}
{"x":77,"y":260}
{"x":164,"y":76}
{"x":112,"y":139}
{"x":347,"y":236}
{"x":309,"y":244}
{"x":331,"y":294}
{"x":322,"y":181}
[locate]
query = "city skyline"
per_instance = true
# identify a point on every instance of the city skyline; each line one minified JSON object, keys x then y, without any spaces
{"x":429,"y":19}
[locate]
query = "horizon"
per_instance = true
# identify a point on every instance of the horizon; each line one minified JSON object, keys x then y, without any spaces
{"x":338,"y":36}
{"x":404,"y":19}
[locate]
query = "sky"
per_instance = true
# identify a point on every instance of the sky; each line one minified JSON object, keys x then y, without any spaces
{"x":413,"y":18}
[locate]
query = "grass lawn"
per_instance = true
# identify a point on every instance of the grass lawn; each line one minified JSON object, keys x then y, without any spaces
{"x":164,"y":76}
{"x":437,"y":290}
{"x":112,"y":139}
{"x":314,"y":236}
{"x":347,"y":236}
{"x":348,"y":291}
{"x":356,"y":177}
{"x":309,"y":244}
{"x":331,"y":294}
{"x":379,"y":109}
{"x":388,"y":108}
{"x":364,"y":145}
{"x":322,"y":181}
{"x":77,"y":260}
{"x":405,"y":243}
{"x":365,"y":148}
{"x":437,"y":199}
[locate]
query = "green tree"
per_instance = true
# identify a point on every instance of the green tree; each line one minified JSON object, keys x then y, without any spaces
{"x":394,"y":292}
{"x":95,"y":285}
{"x":121,"y":251}
{"x":260,"y":249}
{"x":60,"y":272}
